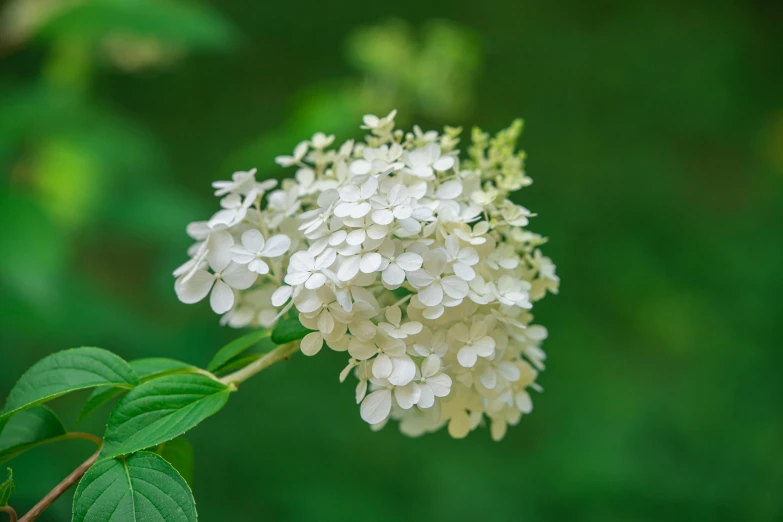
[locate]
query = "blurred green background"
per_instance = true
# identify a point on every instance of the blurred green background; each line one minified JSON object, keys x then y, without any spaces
{"x":655,"y":139}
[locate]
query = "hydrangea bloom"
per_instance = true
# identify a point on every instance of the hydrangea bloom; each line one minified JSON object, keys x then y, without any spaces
{"x":396,"y":251}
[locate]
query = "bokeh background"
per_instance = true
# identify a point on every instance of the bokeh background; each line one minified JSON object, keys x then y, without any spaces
{"x":655,"y":138}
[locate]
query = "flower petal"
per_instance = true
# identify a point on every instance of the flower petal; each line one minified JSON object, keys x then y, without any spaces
{"x":393,"y":276}
{"x":315,"y":281}
{"x":432,"y":295}
{"x":485,"y":346}
{"x":349,"y":267}
{"x":253,"y":240}
{"x":430,"y":366}
{"x":312,"y":343}
{"x":403,"y":372}
{"x":238,"y":276}
{"x":426,"y":397}
{"x":219,"y":256}
{"x":409,"y":261}
{"x":195,"y":288}
{"x":440,"y":384}
{"x":376,"y":406}
{"x":467,"y":357}
{"x":383,"y":216}
{"x":362,"y":350}
{"x":382,"y":366}
{"x":449,"y":190}
{"x":407,"y":396}
{"x":370,"y":262}
{"x":455,"y":287}
{"x":222,"y":298}
{"x":281,"y":295}
{"x":276,"y":246}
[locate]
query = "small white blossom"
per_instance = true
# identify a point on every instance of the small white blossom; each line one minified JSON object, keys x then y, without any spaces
{"x":432,"y":284}
{"x":425,"y":161}
{"x":312,"y":272}
{"x":254,"y":248}
{"x":395,"y":263}
{"x":224,"y":278}
{"x":241,"y":183}
{"x":473,"y":342}
{"x":395,"y":327}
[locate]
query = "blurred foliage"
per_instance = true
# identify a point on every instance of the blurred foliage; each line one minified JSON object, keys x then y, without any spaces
{"x":655,"y":142}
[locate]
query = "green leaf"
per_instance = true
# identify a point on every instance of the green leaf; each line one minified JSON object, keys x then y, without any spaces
{"x":288,"y":330}
{"x":179,"y":453}
{"x":28,"y":429}
{"x":243,"y":360}
{"x":97,"y":398}
{"x":160,"y":410}
{"x":154,"y":367}
{"x":140,"y":487}
{"x":145,"y":369}
{"x":7,"y":489}
{"x":64,"y":372}
{"x":236,"y":347}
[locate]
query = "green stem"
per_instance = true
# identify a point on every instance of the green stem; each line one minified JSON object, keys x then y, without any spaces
{"x":68,"y":482}
{"x":86,"y":436}
{"x":284,"y":351}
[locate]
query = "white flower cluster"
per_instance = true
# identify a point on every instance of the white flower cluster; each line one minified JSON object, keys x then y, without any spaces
{"x":394,"y":250}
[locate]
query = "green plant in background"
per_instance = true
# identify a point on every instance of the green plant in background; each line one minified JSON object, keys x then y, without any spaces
{"x":426,"y":74}
{"x":67,"y":153}
{"x":393,"y":249}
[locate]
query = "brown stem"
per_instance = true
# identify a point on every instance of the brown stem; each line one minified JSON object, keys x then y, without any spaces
{"x":60,"y":488}
{"x":10,"y":511}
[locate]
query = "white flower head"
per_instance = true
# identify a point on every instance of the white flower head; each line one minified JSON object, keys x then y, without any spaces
{"x":393,"y":249}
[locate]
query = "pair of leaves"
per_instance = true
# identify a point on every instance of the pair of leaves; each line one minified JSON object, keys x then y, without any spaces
{"x":155,"y":411}
{"x":64,"y":372}
{"x":145,"y":369}
{"x":143,"y":486}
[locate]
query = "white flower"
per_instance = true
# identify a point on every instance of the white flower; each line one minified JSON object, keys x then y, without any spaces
{"x":309,"y":271}
{"x":320,"y":140}
{"x":299,"y":153}
{"x":515,"y":215}
{"x":353,"y":199}
{"x":462,"y":259}
{"x":512,"y":291}
{"x":423,"y":162}
{"x":392,"y":361}
{"x":241,"y":183}
{"x":432,"y":344}
{"x":395,"y":327}
{"x":234,"y":209}
{"x":395,"y":263}
{"x":475,"y":236}
{"x":473,"y":342}
{"x":433,"y":383}
{"x":226,"y":276}
{"x":432,"y":285}
{"x":358,"y":230}
{"x":393,"y":205}
{"x":379,"y":126}
{"x":254,"y":248}
{"x":504,"y":257}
